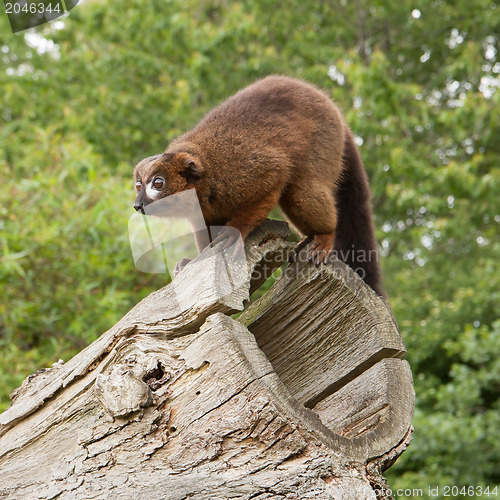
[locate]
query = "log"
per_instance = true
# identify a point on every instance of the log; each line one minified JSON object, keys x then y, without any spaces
{"x":304,"y":395}
{"x":332,"y":341}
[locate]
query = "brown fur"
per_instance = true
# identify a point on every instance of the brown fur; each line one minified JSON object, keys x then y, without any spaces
{"x":280,"y":140}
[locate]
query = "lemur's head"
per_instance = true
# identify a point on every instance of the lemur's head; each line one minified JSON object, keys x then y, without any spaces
{"x":162,"y":175}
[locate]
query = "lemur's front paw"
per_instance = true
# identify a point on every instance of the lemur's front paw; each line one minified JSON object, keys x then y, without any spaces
{"x":181,"y":265}
{"x":229,"y":235}
{"x":232,"y":243}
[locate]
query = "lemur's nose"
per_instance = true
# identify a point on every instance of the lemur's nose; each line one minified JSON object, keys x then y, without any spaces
{"x":139,"y":206}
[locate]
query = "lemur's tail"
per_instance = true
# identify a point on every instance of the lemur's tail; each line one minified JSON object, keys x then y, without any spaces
{"x":355,"y":242}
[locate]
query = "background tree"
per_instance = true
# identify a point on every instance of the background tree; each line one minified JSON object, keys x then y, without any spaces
{"x":83,"y":99}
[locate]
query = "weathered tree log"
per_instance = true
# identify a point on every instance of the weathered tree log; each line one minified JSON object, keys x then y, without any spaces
{"x":303,"y":396}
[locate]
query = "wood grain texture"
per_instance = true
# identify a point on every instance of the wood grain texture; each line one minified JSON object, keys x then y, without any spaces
{"x":177,"y":309}
{"x":178,"y":400}
{"x":326,"y":334}
{"x":374,"y":410}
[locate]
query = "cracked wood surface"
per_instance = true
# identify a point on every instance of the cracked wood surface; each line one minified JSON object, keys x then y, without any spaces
{"x":335,"y":345}
{"x":178,"y":400}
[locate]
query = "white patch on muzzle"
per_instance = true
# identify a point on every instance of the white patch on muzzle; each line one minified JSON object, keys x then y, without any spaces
{"x":151,"y":192}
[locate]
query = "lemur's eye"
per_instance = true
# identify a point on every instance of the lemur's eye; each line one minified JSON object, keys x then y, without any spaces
{"x":138,"y":185}
{"x":158,"y":183}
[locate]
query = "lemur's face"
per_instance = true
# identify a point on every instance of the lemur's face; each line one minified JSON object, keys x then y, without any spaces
{"x":162,"y":175}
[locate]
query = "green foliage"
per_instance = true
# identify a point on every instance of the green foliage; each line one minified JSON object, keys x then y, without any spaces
{"x":66,"y":270}
{"x":419,"y":87}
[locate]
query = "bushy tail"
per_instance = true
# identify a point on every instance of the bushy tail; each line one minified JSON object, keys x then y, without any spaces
{"x":355,"y":242}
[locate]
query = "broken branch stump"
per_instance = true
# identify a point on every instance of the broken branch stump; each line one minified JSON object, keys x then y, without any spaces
{"x":305,"y":395}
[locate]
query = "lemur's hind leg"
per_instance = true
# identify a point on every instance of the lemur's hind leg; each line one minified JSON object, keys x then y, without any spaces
{"x":311,"y":209}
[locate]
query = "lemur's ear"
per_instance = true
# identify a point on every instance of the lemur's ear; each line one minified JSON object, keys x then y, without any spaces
{"x":166,"y":158}
{"x":193,"y":170}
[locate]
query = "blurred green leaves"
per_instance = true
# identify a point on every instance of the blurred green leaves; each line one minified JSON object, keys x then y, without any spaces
{"x":82,"y":100}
